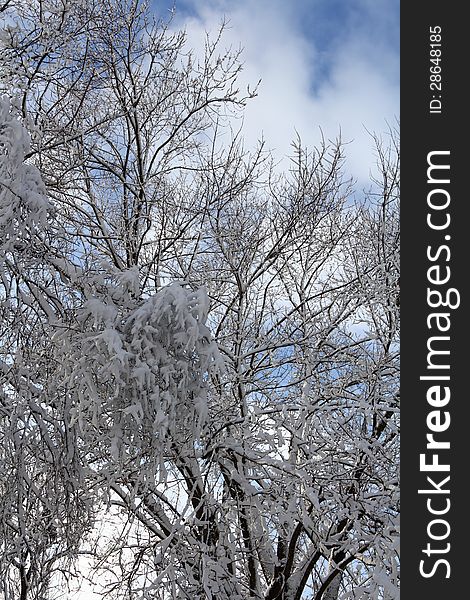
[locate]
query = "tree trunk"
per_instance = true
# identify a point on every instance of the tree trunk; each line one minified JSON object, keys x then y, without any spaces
{"x":332,"y":591}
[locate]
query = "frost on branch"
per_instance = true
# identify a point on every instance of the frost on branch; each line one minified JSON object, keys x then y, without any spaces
{"x":282,"y":483}
{"x":23,"y":201}
{"x":44,"y":510}
{"x":137,"y":380}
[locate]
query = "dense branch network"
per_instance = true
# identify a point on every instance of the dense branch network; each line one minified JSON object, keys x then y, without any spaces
{"x":197,"y":350}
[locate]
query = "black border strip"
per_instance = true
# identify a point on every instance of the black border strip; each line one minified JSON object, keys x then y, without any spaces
{"x":424,"y":412}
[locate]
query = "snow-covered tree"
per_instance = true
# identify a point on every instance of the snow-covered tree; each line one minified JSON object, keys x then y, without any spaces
{"x":199,"y":346}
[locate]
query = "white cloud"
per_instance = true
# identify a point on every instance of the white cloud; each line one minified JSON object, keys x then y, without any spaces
{"x":358,"y":90}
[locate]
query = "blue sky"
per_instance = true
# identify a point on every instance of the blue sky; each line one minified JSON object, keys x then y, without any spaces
{"x":326,"y":64}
